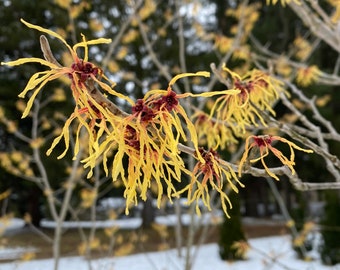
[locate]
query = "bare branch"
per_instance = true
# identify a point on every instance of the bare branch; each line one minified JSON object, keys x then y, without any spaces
{"x":316,"y":25}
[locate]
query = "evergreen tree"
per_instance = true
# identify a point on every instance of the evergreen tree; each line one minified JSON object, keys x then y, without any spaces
{"x":330,"y":248}
{"x":231,"y":231}
{"x":299,"y":215}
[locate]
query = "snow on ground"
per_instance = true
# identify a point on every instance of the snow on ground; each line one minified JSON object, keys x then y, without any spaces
{"x":278,"y":248}
{"x":12,"y":224}
{"x":269,"y":253}
{"x":135,"y":222}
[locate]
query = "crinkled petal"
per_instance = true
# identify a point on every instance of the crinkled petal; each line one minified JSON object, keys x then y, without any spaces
{"x":22,"y":61}
{"x":49,"y":32}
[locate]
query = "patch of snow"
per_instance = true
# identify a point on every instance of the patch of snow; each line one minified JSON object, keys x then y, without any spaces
{"x":268,"y":253}
{"x":130,"y":223}
{"x":112,"y":203}
{"x":278,"y":249}
{"x":135,"y":222}
{"x":13,"y":253}
{"x":11,"y":224}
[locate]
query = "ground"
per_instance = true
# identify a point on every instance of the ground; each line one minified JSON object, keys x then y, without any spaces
{"x":144,"y":240}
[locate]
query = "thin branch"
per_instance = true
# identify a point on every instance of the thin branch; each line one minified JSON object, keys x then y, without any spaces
{"x":327,"y":20}
{"x":316,"y":25}
{"x":113,"y":45}
{"x":285,"y":213}
{"x":104,"y":101}
{"x":181,"y":49}
{"x":236,"y":43}
{"x":163,"y":69}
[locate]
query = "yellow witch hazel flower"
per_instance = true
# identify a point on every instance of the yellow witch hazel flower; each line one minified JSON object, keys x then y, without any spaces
{"x":303,"y":48}
{"x":283,"y":2}
{"x":249,"y":14}
{"x":211,"y":174}
{"x":149,"y":139}
{"x":83,"y":76}
{"x":212,"y":132}
{"x":223,"y":43}
{"x":241,"y":248}
{"x":283,"y":67}
{"x":308,"y":75}
{"x":255,"y":91}
{"x":264,"y":144}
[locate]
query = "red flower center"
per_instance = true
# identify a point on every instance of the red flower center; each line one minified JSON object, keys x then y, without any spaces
{"x":140,"y":109}
{"x":84,"y":70}
{"x":263,"y":140}
{"x":244,"y":87}
{"x":131,"y":138}
{"x":169,"y":102}
{"x":208,"y":157}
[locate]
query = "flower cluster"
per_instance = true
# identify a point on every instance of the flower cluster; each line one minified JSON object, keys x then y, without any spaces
{"x":83,"y":75}
{"x":148,"y":139}
{"x":255,"y":91}
{"x":142,"y":148}
{"x":264,"y":144}
{"x":237,"y":108}
{"x":208,"y":175}
{"x":212,"y":132}
{"x":307,"y":76}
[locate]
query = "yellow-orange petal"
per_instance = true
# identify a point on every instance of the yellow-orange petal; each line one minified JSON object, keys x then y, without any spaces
{"x":49,"y":32}
{"x":182,"y":75}
{"x":22,"y":61}
{"x":85,"y":44}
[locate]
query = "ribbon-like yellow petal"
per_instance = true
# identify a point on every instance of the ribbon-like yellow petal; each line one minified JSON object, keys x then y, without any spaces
{"x":21,"y":61}
{"x":49,"y":32}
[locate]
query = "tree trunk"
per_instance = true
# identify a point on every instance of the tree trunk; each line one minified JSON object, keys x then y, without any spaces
{"x":33,"y":207}
{"x":148,"y":212}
